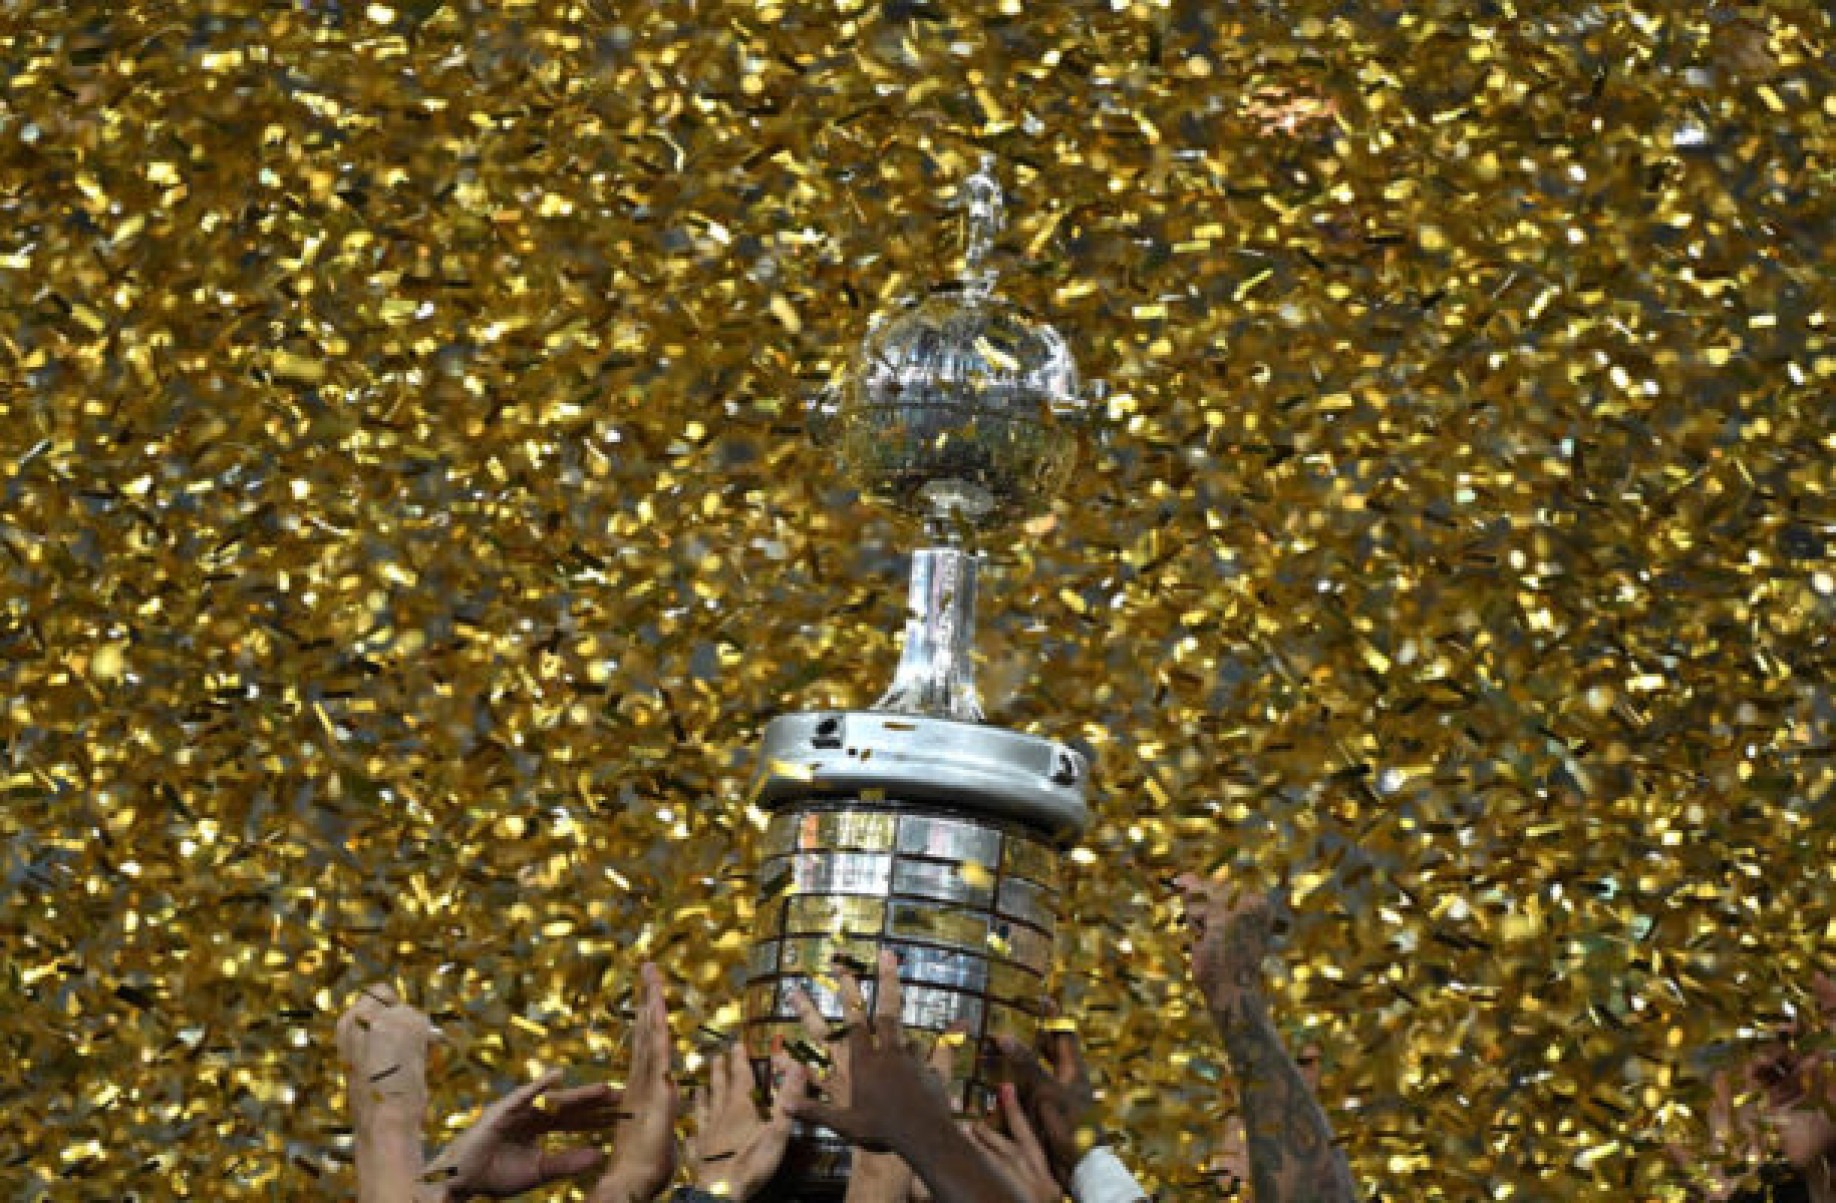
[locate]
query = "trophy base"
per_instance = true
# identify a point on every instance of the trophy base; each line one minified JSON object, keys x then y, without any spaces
{"x":932,"y":838}
{"x":810,"y":1173}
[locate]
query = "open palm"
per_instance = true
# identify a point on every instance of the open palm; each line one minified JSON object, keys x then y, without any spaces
{"x":737,"y":1150}
{"x":502,"y":1153}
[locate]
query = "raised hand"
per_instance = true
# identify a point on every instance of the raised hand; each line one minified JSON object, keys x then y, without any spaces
{"x":383,"y":1042}
{"x":1053,"y":1086}
{"x":736,"y":1150}
{"x":502,"y":1155}
{"x":1288,"y":1141}
{"x":874,"y":1177}
{"x":1019,"y":1152}
{"x":896,"y":1103}
{"x":644,"y":1141}
{"x":1231,"y":1166}
{"x":1232,"y":930}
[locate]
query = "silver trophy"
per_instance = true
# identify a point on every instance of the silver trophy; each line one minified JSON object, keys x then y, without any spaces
{"x":912,"y":825}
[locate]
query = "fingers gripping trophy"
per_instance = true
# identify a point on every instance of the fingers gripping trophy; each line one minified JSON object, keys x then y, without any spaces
{"x":915,"y":826}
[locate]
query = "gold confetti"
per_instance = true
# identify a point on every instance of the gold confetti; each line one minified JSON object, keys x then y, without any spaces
{"x":400,"y":437}
{"x":107,"y":663}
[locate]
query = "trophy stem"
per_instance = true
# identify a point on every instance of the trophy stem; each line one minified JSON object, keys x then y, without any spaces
{"x":936,"y":676}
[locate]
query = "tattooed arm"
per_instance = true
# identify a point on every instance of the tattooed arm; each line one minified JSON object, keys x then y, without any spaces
{"x":1289,"y":1143}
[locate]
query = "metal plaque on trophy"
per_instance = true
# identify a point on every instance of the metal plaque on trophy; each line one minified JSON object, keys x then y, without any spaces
{"x":914,"y":825}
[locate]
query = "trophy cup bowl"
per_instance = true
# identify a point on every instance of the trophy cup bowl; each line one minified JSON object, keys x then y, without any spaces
{"x":913,"y":825}
{"x":959,"y":406}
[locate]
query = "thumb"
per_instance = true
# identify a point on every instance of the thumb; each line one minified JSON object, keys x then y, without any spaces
{"x":530,"y":1091}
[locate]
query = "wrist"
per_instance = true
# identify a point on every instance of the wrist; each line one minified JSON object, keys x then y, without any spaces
{"x":621,"y":1185}
{"x":1231,"y":1006}
{"x":877,"y":1167}
{"x":1066,"y":1171}
{"x":930,"y":1146}
{"x":383,"y":1111}
{"x":1063,"y":1160}
{"x":388,"y":1161}
{"x":391,"y":1128}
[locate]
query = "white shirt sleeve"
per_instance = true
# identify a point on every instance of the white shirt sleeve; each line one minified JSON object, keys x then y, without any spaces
{"x":1102,"y":1178}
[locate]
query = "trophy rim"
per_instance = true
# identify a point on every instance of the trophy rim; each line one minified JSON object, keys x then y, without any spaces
{"x":921,"y":759}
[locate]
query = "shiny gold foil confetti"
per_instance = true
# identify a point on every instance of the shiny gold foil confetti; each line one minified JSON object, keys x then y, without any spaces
{"x":407,"y":522}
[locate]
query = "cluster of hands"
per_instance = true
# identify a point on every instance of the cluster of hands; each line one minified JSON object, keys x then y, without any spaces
{"x":384,"y":1044}
{"x":882,"y":1091}
{"x":1780,"y":1099}
{"x":885,"y":1093}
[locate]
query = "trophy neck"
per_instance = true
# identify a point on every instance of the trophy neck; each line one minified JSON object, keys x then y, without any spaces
{"x":936,"y":676}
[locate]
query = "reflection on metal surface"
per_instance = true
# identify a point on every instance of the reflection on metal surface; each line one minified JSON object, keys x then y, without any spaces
{"x":840,"y":872}
{"x":936,"y":672}
{"x":944,"y":881}
{"x":964,"y":902}
{"x":961,"y":409}
{"x":928,"y":762}
{"x":1032,"y":860}
{"x":950,"y":839}
{"x":1030,"y":903}
{"x":816,"y":914}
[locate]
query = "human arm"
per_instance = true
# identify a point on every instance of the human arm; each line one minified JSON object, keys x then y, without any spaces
{"x":383,"y":1043}
{"x":1289,"y":1143}
{"x":736,"y":1151}
{"x":1018,"y":1151}
{"x":897,"y":1105}
{"x":892,"y":1112}
{"x":873,"y":1177}
{"x":644,"y":1142}
{"x":951,"y":1167}
{"x":1053,"y":1087}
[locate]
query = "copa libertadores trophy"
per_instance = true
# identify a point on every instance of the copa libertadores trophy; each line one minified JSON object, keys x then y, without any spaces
{"x":915,"y":825}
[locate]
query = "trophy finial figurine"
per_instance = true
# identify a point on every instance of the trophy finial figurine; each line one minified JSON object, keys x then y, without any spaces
{"x":984,"y":213}
{"x":915,"y":825}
